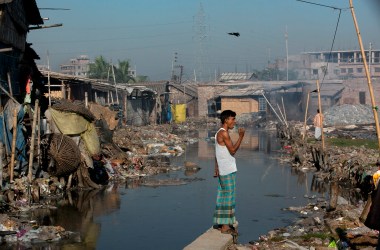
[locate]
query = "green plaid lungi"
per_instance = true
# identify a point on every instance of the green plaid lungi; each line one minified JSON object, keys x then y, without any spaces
{"x":225,"y":200}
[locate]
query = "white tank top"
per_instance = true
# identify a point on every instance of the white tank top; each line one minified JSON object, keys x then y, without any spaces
{"x":226,"y":162}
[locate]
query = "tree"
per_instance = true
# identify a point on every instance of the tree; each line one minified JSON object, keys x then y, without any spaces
{"x":122,"y":72}
{"x":141,"y":78}
{"x":99,"y":69}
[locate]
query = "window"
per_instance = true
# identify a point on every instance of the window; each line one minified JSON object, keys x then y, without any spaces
{"x":350,"y":70}
{"x":262,"y":104}
{"x":343,"y":71}
{"x":359,"y":70}
{"x":377,"y":69}
{"x":315,"y":71}
{"x":362,"y":97}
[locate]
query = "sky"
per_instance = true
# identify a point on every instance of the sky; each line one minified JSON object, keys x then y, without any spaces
{"x":151,"y":33}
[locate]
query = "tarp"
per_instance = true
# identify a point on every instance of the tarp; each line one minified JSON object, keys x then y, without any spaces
{"x":6,"y":131}
{"x":179,"y":113}
{"x":70,"y":123}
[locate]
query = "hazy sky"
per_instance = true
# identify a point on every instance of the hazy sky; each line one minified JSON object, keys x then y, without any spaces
{"x":149,"y":32}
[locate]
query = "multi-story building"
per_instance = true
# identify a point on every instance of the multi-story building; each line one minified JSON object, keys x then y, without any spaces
{"x":343,"y":64}
{"x":76,"y":67}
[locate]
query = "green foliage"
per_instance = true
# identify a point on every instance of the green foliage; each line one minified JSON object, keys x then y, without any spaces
{"x":343,"y":142}
{"x":101,"y":69}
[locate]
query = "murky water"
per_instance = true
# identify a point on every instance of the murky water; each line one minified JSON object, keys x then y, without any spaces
{"x":131,"y":216}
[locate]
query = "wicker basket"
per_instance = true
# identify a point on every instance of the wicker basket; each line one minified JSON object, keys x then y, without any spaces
{"x":65,"y":153}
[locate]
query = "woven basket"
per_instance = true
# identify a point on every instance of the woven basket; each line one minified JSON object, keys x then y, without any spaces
{"x":65,"y":153}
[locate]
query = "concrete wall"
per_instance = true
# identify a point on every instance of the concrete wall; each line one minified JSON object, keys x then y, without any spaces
{"x":353,"y":87}
{"x":240,"y":105}
{"x":179,"y":97}
{"x":205,"y":93}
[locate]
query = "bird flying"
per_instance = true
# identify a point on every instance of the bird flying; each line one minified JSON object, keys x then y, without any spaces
{"x":237,"y":34}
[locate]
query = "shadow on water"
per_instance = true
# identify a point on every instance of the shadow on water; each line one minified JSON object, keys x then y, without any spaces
{"x":155,"y":213}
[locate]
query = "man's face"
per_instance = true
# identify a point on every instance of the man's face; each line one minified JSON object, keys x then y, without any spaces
{"x":230,"y":121}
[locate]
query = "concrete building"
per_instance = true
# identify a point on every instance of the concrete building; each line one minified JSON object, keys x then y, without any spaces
{"x":334,"y":65}
{"x":76,"y":67}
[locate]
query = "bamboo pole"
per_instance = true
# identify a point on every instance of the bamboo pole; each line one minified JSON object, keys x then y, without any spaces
{"x":272,"y":108}
{"x":63,"y":90}
{"x":1,"y":164}
{"x":283,"y":107}
{"x":307,"y":109}
{"x":32,"y":142}
{"x":373,"y":102}
{"x":10,"y":84}
{"x":15,"y":112}
{"x":39,"y":136}
{"x":282,"y":115}
{"x":321,"y":115}
{"x":8,"y":94}
{"x":86,"y":99}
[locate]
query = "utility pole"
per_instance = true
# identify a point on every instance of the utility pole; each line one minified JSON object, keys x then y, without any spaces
{"x":48,"y":65}
{"x":174,"y":61}
{"x":369,"y":59}
{"x":287,"y":55}
{"x":373,"y":102}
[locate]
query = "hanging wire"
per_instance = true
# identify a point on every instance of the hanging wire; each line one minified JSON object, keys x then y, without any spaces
{"x":332,"y":46}
{"x":332,"y":7}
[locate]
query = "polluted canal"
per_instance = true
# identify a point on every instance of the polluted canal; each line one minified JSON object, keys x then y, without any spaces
{"x":169,"y":211}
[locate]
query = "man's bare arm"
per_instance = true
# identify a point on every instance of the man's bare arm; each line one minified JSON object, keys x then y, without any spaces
{"x":233,"y":148}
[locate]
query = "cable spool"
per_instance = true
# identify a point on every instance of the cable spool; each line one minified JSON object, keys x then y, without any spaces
{"x":65,"y":153}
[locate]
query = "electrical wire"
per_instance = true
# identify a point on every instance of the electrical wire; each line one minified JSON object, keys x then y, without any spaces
{"x":332,"y":46}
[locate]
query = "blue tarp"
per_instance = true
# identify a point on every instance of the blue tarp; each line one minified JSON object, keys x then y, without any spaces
{"x":6,"y":133}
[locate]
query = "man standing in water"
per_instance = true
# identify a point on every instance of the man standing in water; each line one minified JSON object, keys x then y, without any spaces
{"x":225,"y":170}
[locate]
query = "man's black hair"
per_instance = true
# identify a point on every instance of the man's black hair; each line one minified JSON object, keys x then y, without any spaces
{"x":225,"y":114}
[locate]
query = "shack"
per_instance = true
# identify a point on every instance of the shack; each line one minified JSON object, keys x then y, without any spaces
{"x":17,"y":64}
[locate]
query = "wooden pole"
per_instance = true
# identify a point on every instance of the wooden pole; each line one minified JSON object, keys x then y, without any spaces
{"x":86,"y":99}
{"x":282,"y":115}
{"x":273,"y":108}
{"x":49,"y":90}
{"x":39,"y":136}
{"x":283,"y":107}
{"x":8,"y":94}
{"x":32,"y":141}
{"x":373,"y":102}
{"x":307,"y":108}
{"x":15,"y":112}
{"x":10,"y":84}
{"x":63,"y":90}
{"x":114,"y":81}
{"x":1,"y":164}
{"x":125,"y":97}
{"x":69,"y":92}
{"x":321,"y":116}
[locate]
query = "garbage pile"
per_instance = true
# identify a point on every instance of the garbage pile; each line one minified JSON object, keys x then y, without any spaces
{"x":336,"y":223}
{"x":75,"y":148}
{"x":348,"y":114}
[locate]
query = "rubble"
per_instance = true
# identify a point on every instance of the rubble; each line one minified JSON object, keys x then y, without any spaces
{"x":79,"y":151}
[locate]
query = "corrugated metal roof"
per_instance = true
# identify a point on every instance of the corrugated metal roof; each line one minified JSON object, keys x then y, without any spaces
{"x":235,"y":76}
